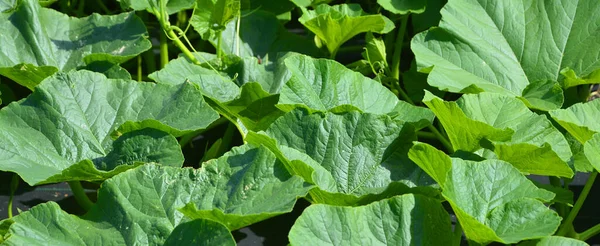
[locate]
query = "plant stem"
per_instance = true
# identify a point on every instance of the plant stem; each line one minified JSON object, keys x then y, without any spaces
{"x":14,"y":184}
{"x":333,"y":54}
{"x":166,"y":26}
{"x":398,"y":48}
{"x":219,"y":42}
{"x":433,"y":130}
{"x":427,"y":135}
{"x":568,"y":222}
{"x":80,"y":196}
{"x":457,"y":233}
{"x":164,"y":50}
{"x":103,"y":7}
{"x":560,"y":208}
{"x":442,"y":139}
{"x":587,"y":234}
{"x":139,"y":68}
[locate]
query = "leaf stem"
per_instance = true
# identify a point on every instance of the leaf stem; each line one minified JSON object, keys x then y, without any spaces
{"x":219,"y":43}
{"x":442,"y":139}
{"x":560,"y":208}
{"x":80,"y":196}
{"x":398,"y":47}
{"x":168,"y":30}
{"x":427,"y":135}
{"x":457,"y":233}
{"x":164,"y":50}
{"x":139,"y":68}
{"x":587,"y":234}
{"x":14,"y":184}
{"x":568,"y":222}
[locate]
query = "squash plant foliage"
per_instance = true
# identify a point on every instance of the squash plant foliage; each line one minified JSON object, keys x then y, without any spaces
{"x":401,"y":122}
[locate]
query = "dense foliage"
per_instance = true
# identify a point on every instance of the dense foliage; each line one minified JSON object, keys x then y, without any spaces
{"x":402,"y":122}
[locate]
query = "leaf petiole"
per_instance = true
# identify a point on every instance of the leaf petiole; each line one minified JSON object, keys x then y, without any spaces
{"x":587,"y":234}
{"x":80,"y":196}
{"x":568,"y":223}
{"x":14,"y":184}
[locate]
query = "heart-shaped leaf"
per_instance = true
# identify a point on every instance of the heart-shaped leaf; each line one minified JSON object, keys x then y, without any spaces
{"x":401,"y":220}
{"x":322,"y":84}
{"x":492,"y":200}
{"x":243,"y":187}
{"x":352,"y":157}
{"x":475,"y":120}
{"x":334,"y":25}
{"x":65,"y":130}
{"x":516,"y":48}
{"x":44,"y":41}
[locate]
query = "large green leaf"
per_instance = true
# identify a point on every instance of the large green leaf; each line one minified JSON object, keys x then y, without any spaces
{"x":592,"y":151}
{"x":243,"y":187}
{"x":528,"y":141}
{"x":402,"y":220}
{"x":261,"y":35}
{"x":354,"y":156}
{"x":492,"y":200}
{"x":581,"y":120}
{"x":322,"y":84}
{"x":517,"y":48}
{"x":47,"y":224}
{"x":144,"y":205}
{"x":430,"y":17}
{"x":153,"y":6}
{"x":334,"y":25}
{"x":403,"y":6}
{"x":251,"y":107}
{"x":65,"y":130}
{"x":37,"y":41}
{"x":211,"y":16}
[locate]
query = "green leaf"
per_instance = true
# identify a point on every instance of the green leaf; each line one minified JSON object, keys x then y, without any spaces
{"x":244,"y":186}
{"x":591,"y":149}
{"x":153,"y":6}
{"x":403,"y":7}
{"x":480,"y":120}
{"x":325,"y":85}
{"x":251,"y":104}
{"x":504,"y":48}
{"x":355,"y":156}
{"x":211,"y":16}
{"x":261,"y":35}
{"x":554,"y":240}
{"x":401,"y":220}
{"x":581,"y":120}
{"x":66,"y":128}
{"x":110,"y":70}
{"x":200,"y":232}
{"x":492,"y":200}
{"x":464,"y":133}
{"x":433,"y":161}
{"x":44,"y":41}
{"x":306,"y":3}
{"x":334,"y":25}
{"x":480,"y":192}
{"x":430,"y":17}
{"x":375,"y":52}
